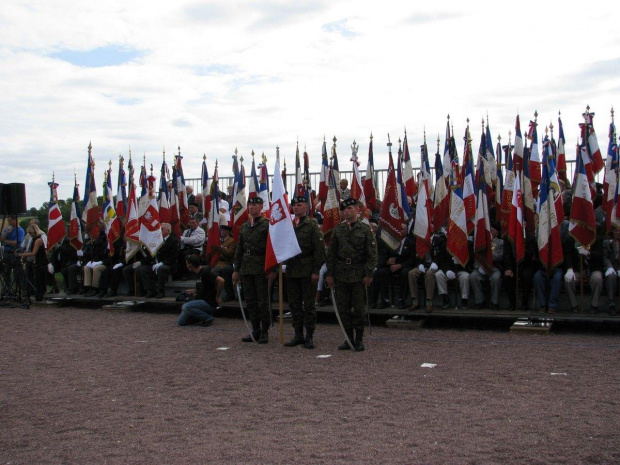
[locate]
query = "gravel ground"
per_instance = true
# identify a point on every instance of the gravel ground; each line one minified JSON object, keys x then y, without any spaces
{"x":94,"y":386}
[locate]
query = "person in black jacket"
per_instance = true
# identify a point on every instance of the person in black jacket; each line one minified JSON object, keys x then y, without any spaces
{"x":396,"y":266}
{"x":167,"y":257}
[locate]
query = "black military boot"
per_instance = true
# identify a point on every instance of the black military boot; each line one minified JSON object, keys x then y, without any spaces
{"x":345,"y":344}
{"x":255,"y":332}
{"x":308,"y":344}
{"x":297,"y":340}
{"x":359,"y":337}
{"x":264,"y":334}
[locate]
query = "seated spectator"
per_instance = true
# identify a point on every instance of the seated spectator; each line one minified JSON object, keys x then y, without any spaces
{"x":165,"y":264}
{"x":207,"y":295}
{"x":132,"y":277}
{"x":612,"y":265}
{"x":192,"y":241}
{"x":93,"y":269}
{"x":494,"y":275}
{"x":396,"y":266}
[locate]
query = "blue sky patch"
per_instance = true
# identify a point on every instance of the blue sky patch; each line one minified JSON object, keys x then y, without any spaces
{"x":112,"y":55}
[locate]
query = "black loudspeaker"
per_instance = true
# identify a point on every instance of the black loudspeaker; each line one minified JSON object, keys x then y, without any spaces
{"x":14,"y":196}
{"x":2,"y":200}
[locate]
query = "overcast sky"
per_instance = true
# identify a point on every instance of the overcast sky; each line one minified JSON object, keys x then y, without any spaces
{"x":213,"y":76}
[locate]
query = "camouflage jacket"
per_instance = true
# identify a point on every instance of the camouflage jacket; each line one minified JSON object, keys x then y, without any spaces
{"x":352,"y":253}
{"x":252,"y":247}
{"x":312,"y":256}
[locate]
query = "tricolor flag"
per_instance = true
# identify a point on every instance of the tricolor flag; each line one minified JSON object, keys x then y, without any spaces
{"x":589,"y":136}
{"x":490,"y":158}
{"x":424,"y":210}
{"x":611,"y":175}
{"x":121,"y":190}
{"x":281,"y":242}
{"x":516,"y":233}
{"x":150,"y":227}
{"x":324,"y":176}
{"x":75,"y":223}
{"x":447,"y":153}
{"x":483,"y":241}
{"x":561,"y":153}
{"x":299,"y":182}
{"x":392,"y":215}
{"x":549,"y":240}
{"x":214,"y":239}
{"x":499,"y":184}
{"x":90,"y":209}
{"x":457,"y":224}
{"x":56,"y":227}
{"x":529,"y":208}
{"x":409,"y":181}
{"x":534,"y":158}
{"x":331,"y":209}
{"x":401,"y":192}
{"x":263,"y":185}
{"x":205,"y":183}
{"x":179,"y":187}
{"x":108,"y":214}
{"x":239,"y":210}
{"x":307,"y":186}
{"x":441,"y":199}
{"x":163,"y":199}
{"x":469,"y":193}
{"x":132,"y":225}
{"x":370,"y":188}
{"x":582,"y":221}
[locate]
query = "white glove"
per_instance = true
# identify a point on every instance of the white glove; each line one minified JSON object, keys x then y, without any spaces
{"x":450,"y":274}
{"x":582,"y":250}
{"x":94,"y":264}
{"x":610,"y":271}
{"x":569,"y":276}
{"x":136,"y":265}
{"x":422,"y":269}
{"x":50,"y":268}
{"x":482,"y":271}
{"x":117,"y":266}
{"x":89,"y":264}
{"x":433,"y":267}
{"x":79,"y":263}
{"x":80,"y":253}
{"x":156,"y":266}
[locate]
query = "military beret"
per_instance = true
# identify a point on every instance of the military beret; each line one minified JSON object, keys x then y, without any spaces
{"x":255,"y":200}
{"x":345,"y":203}
{"x":299,"y":199}
{"x":195,"y":204}
{"x":225,"y":226}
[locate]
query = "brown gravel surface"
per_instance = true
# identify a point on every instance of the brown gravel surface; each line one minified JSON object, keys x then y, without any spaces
{"x":93,"y":386}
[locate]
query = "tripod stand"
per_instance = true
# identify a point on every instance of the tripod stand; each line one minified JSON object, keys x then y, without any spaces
{"x":13,"y":280}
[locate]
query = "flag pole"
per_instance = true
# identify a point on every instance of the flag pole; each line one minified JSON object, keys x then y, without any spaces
{"x":581,"y":281}
{"x":281,"y":304}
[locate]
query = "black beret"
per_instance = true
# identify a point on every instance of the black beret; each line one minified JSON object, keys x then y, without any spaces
{"x":345,"y":203}
{"x":299,"y":199}
{"x":256,"y":199}
{"x":225,"y":226}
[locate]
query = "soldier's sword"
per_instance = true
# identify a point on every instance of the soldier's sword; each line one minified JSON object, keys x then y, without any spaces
{"x":368,"y":310}
{"x":243,"y":313}
{"x":338,"y":318}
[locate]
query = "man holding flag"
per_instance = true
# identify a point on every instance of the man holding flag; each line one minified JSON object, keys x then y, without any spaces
{"x":302,"y":272}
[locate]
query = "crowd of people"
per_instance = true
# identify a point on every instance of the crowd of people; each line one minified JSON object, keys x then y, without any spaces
{"x":363,"y":270}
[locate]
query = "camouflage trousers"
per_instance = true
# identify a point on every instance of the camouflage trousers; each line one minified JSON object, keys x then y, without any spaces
{"x":301,"y":295}
{"x":351,"y":303}
{"x":256,"y":297}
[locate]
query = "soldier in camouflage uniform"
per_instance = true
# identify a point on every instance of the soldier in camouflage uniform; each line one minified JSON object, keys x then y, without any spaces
{"x":249,"y":265}
{"x":351,"y":260}
{"x":302,"y":274}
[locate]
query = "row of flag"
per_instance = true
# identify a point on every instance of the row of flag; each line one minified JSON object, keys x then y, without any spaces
{"x":461,"y":196}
